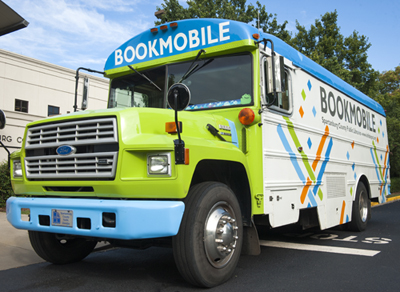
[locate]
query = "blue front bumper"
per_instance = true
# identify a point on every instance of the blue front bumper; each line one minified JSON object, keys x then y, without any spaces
{"x":133,"y":219}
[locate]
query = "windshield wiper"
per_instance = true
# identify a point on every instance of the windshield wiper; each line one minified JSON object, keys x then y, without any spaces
{"x":191,"y":68}
{"x":144,"y":76}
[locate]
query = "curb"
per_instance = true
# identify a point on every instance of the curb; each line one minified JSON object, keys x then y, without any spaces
{"x":388,"y":200}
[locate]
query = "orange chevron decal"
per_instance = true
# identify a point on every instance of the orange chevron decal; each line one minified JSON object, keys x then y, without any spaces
{"x":305,"y":190}
{"x":320,"y":147}
{"x":342,"y":214}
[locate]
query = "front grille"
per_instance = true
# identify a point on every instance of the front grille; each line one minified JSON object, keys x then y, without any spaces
{"x":93,"y":165}
{"x":72,"y":133}
{"x":96,"y":141}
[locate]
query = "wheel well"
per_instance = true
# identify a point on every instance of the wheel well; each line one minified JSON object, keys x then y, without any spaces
{"x":365,"y":181}
{"x":231,"y":173}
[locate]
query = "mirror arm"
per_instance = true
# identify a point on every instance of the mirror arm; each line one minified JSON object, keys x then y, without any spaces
{"x":265,"y":41}
{"x":176,"y":116}
{"x":179,"y":144}
{"x":76,"y":83}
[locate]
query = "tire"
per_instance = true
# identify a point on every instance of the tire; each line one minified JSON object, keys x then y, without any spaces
{"x":212,"y":214}
{"x":361,"y":211}
{"x":60,"y":249}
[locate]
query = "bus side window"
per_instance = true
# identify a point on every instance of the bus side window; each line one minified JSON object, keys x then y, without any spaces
{"x":282,"y":102}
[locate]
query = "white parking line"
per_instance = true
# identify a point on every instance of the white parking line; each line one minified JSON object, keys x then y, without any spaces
{"x":320,"y":248}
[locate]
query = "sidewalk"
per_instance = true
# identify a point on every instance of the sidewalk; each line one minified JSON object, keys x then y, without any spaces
{"x":15,"y":248}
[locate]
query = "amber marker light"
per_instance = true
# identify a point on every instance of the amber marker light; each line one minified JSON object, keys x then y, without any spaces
{"x":170,"y":127}
{"x":186,"y":156}
{"x":164,"y":27}
{"x":246,"y":116}
{"x":256,"y":36}
{"x":154,"y":30}
{"x":173,"y":24}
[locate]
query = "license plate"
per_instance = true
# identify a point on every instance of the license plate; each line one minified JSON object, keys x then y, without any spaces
{"x":62,"y":218}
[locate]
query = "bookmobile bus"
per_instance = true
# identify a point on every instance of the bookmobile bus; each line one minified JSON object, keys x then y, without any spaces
{"x":212,"y":128}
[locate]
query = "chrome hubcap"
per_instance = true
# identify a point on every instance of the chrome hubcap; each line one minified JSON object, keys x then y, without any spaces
{"x":363,"y":204}
{"x":220,"y":234}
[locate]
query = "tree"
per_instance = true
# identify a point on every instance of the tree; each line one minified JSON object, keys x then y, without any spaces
{"x":344,"y":57}
{"x":5,"y":184}
{"x":226,"y":9}
{"x":389,"y":98}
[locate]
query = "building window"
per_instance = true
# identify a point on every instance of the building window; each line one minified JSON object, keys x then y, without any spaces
{"x":53,"y":110}
{"x":21,"y":106}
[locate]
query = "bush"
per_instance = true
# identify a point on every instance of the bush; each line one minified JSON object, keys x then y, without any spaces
{"x":395,"y":185}
{"x":5,"y":184}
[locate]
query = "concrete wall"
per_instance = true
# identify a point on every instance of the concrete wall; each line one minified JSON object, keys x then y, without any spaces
{"x":41,"y":84}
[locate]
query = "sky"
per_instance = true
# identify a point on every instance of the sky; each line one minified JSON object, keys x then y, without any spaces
{"x":83,"y":33}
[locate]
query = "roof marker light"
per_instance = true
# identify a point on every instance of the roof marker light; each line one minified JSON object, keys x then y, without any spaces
{"x":246,"y":116}
{"x":164,"y":27}
{"x":154,"y":30}
{"x":173,"y":24}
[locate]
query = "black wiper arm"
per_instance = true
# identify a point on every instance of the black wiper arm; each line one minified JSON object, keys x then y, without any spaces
{"x":198,"y":68}
{"x":188,"y":73}
{"x":144,"y":76}
{"x":191,"y":68}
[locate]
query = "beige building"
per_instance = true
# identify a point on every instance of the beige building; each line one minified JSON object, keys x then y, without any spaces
{"x":31,"y":90}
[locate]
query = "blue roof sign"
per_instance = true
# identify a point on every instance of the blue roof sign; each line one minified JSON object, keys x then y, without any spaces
{"x":188,"y":35}
{"x":195,"y":34}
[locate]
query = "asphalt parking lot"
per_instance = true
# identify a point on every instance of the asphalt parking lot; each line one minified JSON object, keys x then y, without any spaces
{"x":290,"y":260}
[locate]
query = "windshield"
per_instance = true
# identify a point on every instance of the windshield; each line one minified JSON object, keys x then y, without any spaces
{"x":215,"y":82}
{"x":134,"y":90}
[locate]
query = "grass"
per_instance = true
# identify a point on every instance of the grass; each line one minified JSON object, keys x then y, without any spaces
{"x":395,"y":185}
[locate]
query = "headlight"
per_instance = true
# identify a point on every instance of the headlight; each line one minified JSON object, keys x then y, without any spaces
{"x":17,"y":168}
{"x":159,"y":164}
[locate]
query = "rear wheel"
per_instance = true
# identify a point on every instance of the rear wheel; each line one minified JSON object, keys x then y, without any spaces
{"x":361,"y":211}
{"x":60,"y":248}
{"x":208,"y":245}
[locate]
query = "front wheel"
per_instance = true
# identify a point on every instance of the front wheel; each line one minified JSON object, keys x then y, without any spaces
{"x":361,"y":211}
{"x":208,"y":245}
{"x":59,"y":248}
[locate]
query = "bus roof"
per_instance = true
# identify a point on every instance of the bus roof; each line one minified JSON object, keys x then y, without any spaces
{"x":308,"y":65}
{"x":186,"y":36}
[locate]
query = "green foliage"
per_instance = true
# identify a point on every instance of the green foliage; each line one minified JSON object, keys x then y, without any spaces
{"x":225,"y":9}
{"x":5,"y":184}
{"x":345,"y":57}
{"x":395,"y":185}
{"x":389,"y":98}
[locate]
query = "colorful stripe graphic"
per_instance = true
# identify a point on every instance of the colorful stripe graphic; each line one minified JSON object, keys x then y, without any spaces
{"x":320,"y":147}
{"x":311,"y":177}
{"x":381,"y":174}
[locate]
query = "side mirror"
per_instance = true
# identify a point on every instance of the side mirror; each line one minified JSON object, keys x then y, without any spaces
{"x":85,"y":94}
{"x":178,"y":96}
{"x":2,"y":120}
{"x":276,"y":69}
{"x":178,"y":99}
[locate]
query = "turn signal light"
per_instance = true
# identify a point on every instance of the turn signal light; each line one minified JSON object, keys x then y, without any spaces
{"x":246,"y":116}
{"x":170,"y":127}
{"x":256,"y":36}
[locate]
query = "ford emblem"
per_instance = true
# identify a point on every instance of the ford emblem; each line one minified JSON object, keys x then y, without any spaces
{"x":66,"y":150}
